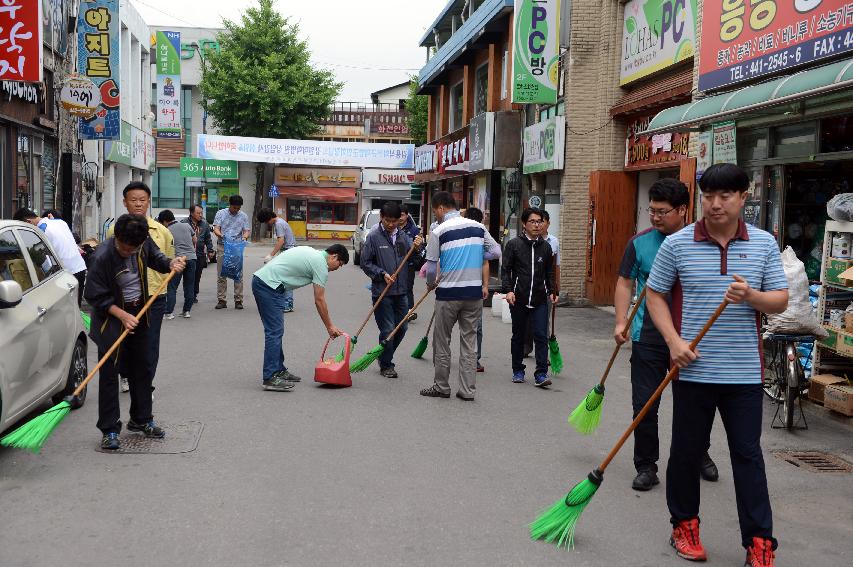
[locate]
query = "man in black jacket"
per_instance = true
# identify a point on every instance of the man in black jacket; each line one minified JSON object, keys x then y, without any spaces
{"x":203,"y":243}
{"x":384,"y":249}
{"x":116,"y":288}
{"x":526,"y":276}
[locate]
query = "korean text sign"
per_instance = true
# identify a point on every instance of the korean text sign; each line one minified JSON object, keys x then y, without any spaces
{"x":656,"y":34}
{"x":168,"y":51}
{"x":20,"y":40}
{"x":98,"y":58}
{"x":536,"y":51}
{"x":743,"y":39}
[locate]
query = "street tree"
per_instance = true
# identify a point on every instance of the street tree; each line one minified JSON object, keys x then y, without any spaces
{"x":262,"y":84}
{"x":418,"y":108}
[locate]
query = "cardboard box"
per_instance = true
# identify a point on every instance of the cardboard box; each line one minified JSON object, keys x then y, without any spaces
{"x":834,"y":268}
{"x":845,"y":278}
{"x":845,"y":343}
{"x":832,"y":340}
{"x":819,"y":382}
{"x":839,"y":397}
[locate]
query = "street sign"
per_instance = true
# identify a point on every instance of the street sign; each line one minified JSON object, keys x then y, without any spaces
{"x":213,"y":168}
{"x":273,"y":191}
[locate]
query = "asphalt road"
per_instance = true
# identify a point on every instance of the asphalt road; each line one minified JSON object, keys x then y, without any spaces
{"x":376,"y":474}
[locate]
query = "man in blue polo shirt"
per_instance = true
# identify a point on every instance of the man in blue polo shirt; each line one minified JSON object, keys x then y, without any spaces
{"x":668,"y":202}
{"x":719,"y":257}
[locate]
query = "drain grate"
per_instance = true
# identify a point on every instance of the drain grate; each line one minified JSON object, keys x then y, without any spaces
{"x":815,"y":461}
{"x":180,"y":438}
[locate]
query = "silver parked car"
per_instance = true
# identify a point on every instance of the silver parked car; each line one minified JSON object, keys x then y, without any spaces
{"x":42,"y":339}
{"x":368,"y":221}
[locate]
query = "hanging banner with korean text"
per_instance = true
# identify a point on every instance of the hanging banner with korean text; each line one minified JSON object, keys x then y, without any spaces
{"x":536,"y":52}
{"x":168,"y":49}
{"x":744,"y":40}
{"x":725,"y":143}
{"x":656,"y":34}
{"x":21,"y":41}
{"x":99,"y":59}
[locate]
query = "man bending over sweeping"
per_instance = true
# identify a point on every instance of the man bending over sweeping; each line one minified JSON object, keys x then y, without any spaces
{"x":719,"y":256}
{"x":117,"y":288}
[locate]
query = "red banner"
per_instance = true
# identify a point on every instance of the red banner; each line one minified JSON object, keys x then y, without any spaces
{"x":747,"y":39}
{"x":20,"y":40}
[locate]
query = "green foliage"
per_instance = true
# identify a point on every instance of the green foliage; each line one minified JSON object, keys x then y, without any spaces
{"x":261,"y":83}
{"x":418,"y":108}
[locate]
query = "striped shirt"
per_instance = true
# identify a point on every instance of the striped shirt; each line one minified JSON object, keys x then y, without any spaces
{"x":698,"y":271}
{"x":458,"y":243}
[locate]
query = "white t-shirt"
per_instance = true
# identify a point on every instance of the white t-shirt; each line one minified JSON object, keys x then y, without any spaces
{"x":60,"y":237}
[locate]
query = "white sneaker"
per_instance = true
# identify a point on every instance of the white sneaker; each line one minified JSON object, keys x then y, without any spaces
{"x":123,"y":385}
{"x":169,"y":316}
{"x":185,"y":314}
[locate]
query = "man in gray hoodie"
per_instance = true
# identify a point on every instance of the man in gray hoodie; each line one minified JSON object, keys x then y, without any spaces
{"x":185,"y":241}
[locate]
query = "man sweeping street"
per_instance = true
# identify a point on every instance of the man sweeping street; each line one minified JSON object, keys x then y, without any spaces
{"x":117,"y":288}
{"x":288,"y":271}
{"x":719,"y":256}
{"x":284,"y":240}
{"x":385,"y":247}
{"x":668,"y":202}
{"x":229,"y":224}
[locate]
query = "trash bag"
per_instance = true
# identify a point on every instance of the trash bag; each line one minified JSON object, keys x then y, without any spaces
{"x":232,"y":259}
{"x":840,"y":207}
{"x":799,"y":317}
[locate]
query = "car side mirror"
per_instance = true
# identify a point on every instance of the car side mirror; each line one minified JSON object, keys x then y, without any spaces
{"x":11,"y":294}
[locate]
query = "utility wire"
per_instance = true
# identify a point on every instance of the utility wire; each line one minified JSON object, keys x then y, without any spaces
{"x":174,"y":17}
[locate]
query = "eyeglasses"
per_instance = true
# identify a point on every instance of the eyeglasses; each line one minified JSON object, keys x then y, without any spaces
{"x":658,"y":212}
{"x":535,"y":222}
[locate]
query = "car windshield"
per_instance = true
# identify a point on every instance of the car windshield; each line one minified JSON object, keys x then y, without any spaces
{"x":372,"y":220}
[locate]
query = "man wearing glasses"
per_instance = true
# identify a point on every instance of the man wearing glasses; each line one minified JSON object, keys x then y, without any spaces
{"x":668,"y":203}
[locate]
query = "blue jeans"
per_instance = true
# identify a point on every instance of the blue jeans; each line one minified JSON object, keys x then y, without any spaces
{"x":538,"y":317}
{"x":188,"y":276}
{"x":388,"y":315}
{"x":271,"y":303}
{"x":288,"y":300}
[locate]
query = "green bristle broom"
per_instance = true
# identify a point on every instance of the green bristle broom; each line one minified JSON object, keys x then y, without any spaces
{"x":354,"y":338}
{"x":586,"y":417}
{"x":33,"y":434}
{"x":421,"y":347}
{"x":87,"y":320}
{"x":557,"y":524}
{"x":554,"y":356}
{"x":362,"y":363}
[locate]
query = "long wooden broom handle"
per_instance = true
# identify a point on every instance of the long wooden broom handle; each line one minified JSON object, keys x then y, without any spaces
{"x":116,"y":344}
{"x":384,"y":291}
{"x":431,"y":319}
{"x":410,"y":312}
{"x":657,"y":394}
{"x":624,"y":334}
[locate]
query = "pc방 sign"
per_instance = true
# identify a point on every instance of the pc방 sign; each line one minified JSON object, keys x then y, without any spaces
{"x":656,"y":34}
{"x":168,"y":85}
{"x":98,"y":59}
{"x":21,"y":40}
{"x":536,"y":51}
{"x":743,"y":40}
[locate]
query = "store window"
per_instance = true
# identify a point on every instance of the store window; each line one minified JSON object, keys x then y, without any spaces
{"x":836,"y":134}
{"x":332,"y":213}
{"x":456,"y":101}
{"x":752,"y":144}
{"x":481,"y":89}
{"x":794,"y":140}
{"x":296,"y":210}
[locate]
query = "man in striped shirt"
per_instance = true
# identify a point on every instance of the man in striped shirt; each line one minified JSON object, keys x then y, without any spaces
{"x":719,"y":257}
{"x":464,"y":248}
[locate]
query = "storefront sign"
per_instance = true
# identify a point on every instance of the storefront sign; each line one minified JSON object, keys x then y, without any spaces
{"x":21,"y":40}
{"x":169,"y":85}
{"x":656,"y":34}
{"x":204,"y":45}
{"x":725,"y":143}
{"x":98,"y":59}
{"x":135,"y":148}
{"x":641,"y":150}
{"x":306,"y":152}
{"x":453,"y":153}
{"x":27,"y":92}
{"x":743,"y":40}
{"x":80,"y":97}
{"x":426,"y":159}
{"x":213,"y":168}
{"x":305,"y":177}
{"x":704,"y":152}
{"x":385,"y":177}
{"x":54,"y":17}
{"x":536,"y":52}
{"x":545,"y":145}
{"x":389,"y":127}
{"x":481,"y":141}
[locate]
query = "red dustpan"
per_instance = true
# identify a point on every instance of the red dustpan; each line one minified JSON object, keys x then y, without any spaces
{"x":327,"y":371}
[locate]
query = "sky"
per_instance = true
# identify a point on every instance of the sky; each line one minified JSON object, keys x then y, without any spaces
{"x":368,"y":45}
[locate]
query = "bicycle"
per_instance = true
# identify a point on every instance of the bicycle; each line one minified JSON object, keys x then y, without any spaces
{"x":785,"y":380}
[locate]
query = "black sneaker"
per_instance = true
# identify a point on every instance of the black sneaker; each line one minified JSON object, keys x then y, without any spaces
{"x":110,"y":442}
{"x":286,"y":374}
{"x":221,"y":305}
{"x":278,"y":384}
{"x":645,"y":480}
{"x":433,"y":392}
{"x":238,"y":305}
{"x":389,"y":372}
{"x":709,"y":470}
{"x":150,"y":429}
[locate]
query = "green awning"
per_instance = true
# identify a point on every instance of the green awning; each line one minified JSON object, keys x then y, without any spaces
{"x":811,"y":82}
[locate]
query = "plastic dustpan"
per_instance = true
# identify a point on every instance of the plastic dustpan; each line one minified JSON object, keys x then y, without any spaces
{"x":327,"y":371}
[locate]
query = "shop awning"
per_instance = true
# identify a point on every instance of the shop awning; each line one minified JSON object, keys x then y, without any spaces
{"x":330,"y":194}
{"x":789,"y":88}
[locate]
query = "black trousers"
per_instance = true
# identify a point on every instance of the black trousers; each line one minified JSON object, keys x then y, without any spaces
{"x":528,"y":337}
{"x":537,"y":319}
{"x":740,"y":407}
{"x":81,"y":283}
{"x":649,"y":365}
{"x":199,"y":266}
{"x":132,"y":363}
{"x":155,"y":320}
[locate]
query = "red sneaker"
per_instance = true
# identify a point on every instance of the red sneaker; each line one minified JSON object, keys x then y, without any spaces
{"x":760,"y":553}
{"x":685,"y":540}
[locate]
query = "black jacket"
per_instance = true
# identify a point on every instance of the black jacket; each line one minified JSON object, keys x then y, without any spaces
{"x":527,"y":270}
{"x":204,"y":242}
{"x":379,"y":257}
{"x":102,"y":290}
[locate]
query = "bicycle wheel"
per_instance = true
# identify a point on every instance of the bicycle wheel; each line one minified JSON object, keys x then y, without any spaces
{"x":791,"y":393}
{"x":775,"y":377}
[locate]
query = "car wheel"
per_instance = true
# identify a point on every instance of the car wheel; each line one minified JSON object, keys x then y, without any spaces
{"x":77,"y":372}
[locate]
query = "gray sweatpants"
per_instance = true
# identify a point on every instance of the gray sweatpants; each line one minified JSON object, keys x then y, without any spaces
{"x":447,"y":313}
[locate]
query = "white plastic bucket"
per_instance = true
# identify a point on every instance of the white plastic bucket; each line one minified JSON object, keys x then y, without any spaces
{"x":497,"y":300}
{"x":506,"y":316}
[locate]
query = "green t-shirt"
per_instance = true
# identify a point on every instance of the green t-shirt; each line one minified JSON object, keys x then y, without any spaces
{"x":295,"y":268}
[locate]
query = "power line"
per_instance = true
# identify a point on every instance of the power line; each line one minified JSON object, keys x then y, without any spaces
{"x":174,"y":17}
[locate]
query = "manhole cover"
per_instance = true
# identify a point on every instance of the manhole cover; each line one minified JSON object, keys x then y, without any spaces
{"x":180,"y":438}
{"x":815,"y":461}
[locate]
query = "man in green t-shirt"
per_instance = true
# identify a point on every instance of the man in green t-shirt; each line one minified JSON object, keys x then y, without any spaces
{"x":292,"y":269}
